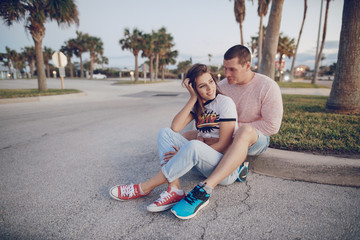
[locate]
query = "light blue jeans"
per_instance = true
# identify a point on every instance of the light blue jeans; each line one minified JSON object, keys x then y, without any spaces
{"x":192,"y":153}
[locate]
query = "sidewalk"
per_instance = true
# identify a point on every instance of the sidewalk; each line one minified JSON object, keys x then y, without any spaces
{"x":307,"y":167}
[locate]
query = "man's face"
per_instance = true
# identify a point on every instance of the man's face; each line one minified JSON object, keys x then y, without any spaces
{"x":235,"y":72}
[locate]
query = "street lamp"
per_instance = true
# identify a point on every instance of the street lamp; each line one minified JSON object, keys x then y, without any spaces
{"x":132,"y":75}
{"x":219,"y":75}
{"x":54,"y":74}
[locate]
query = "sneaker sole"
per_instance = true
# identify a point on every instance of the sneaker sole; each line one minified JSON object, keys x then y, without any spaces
{"x":114,"y":197}
{"x":160,"y":209}
{"x":119,"y":199}
{"x":192,"y":215}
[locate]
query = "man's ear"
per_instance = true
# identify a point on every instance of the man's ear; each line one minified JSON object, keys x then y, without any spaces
{"x":248,"y":66}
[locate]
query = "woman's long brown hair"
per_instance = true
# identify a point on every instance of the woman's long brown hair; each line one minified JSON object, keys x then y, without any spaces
{"x":193,"y":73}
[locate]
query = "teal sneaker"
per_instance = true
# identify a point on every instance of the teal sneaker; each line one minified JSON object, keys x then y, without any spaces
{"x":243,"y":172}
{"x":189,"y":206}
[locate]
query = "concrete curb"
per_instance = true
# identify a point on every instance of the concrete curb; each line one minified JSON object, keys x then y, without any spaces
{"x":41,"y":98}
{"x":307,"y":167}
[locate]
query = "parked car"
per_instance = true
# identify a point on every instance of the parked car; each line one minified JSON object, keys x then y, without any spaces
{"x":99,"y":76}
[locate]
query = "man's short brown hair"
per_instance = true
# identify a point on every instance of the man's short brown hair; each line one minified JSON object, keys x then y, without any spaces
{"x":241,"y":52}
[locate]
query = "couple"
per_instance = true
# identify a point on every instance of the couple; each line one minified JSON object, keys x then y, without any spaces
{"x":228,"y":128}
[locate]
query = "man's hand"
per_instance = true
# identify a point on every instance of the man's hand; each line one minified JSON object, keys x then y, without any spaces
{"x":169,"y":155}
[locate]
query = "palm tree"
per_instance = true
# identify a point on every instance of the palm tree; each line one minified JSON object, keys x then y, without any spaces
{"x":102,"y":60}
{"x":95,"y":47}
{"x":298,"y":41}
{"x":19,"y":65}
{"x":30,"y":58}
{"x":239,"y":10}
{"x":168,"y":58}
{"x":10,"y":55}
{"x":184,"y":66}
{"x":79,"y":46}
{"x":253,"y":45}
{"x":35,"y":13}
{"x":286,"y":47}
{"x":133,"y":42}
{"x":267,"y":66}
{"x":48,"y":52}
{"x":209,"y":56}
{"x":148,"y":51}
{"x":318,"y":57}
{"x":345,"y":92}
{"x":163,"y":44}
{"x":263,"y":6}
{"x":69,"y":51}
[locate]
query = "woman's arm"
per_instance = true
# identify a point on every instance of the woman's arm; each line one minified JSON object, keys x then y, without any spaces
{"x":226,"y":136}
{"x":184,"y":117}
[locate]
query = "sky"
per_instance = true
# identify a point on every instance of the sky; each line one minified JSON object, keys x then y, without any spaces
{"x":199,"y":28}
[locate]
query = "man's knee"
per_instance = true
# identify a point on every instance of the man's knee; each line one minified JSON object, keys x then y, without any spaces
{"x":246,"y":133}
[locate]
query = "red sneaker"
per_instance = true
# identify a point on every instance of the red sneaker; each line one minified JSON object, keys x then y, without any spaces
{"x":126,"y":192}
{"x":167,"y":200}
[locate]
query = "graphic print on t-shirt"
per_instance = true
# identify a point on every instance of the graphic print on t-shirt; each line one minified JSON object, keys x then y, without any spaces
{"x":208,"y":121}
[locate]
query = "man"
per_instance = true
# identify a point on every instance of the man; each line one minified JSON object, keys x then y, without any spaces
{"x":259,"y":104}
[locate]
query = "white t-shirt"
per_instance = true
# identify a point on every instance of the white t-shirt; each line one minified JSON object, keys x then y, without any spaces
{"x":220,"y":109}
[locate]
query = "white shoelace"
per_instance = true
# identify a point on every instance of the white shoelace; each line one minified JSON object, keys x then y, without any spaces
{"x":164,"y":196}
{"x":127,"y":190}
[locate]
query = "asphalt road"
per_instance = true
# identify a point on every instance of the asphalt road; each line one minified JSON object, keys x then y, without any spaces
{"x":58,"y":159}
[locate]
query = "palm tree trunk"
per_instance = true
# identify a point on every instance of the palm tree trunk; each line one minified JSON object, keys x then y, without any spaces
{"x":47,"y":69}
{"x":81,"y":66}
{"x":345,"y":92}
{"x":157,"y":67}
{"x":136,"y":69}
{"x":298,"y":41}
{"x":280,"y":67}
{"x":267,"y":66}
{"x":70,"y":68}
{"x":40,"y":66}
{"x":92,"y":60}
{"x":32,"y":62}
{"x":151,"y":70}
{"x":260,"y":40}
{"x":318,"y":58}
{"x":241,"y":34}
{"x":9,"y":66}
{"x":163,"y":73}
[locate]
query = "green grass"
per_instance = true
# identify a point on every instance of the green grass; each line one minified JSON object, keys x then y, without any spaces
{"x":299,"y":85}
{"x":308,"y":127}
{"x":20,"y":93}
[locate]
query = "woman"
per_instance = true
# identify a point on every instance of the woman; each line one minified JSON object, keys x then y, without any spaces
{"x":216,"y":121}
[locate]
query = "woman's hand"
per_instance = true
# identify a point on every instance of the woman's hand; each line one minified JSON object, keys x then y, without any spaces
{"x":190,"y":88}
{"x":169,"y":155}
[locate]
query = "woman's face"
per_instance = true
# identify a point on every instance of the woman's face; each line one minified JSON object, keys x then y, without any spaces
{"x":206,"y":87}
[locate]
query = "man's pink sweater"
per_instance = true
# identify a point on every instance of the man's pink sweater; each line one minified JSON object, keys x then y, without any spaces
{"x":259,"y":103}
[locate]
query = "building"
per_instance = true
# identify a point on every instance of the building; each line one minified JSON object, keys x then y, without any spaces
{"x":301,"y":70}
{"x":4,"y":71}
